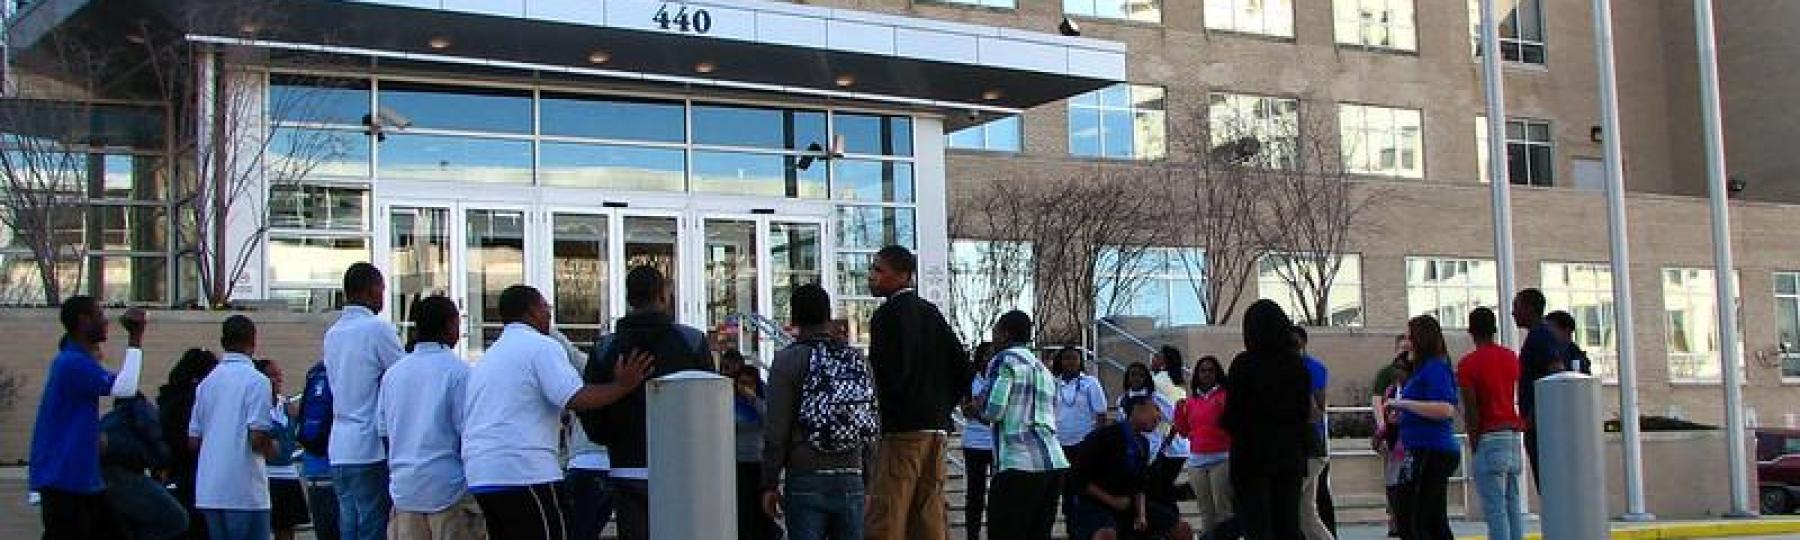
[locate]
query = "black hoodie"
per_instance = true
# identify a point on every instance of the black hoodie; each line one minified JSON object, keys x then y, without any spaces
{"x":621,"y":426}
{"x":1270,"y":407}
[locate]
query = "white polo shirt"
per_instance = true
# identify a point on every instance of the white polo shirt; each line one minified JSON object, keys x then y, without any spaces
{"x":512,"y":418}
{"x":359,"y":348}
{"x":231,"y":402}
{"x":421,"y":412}
{"x":1079,"y":401}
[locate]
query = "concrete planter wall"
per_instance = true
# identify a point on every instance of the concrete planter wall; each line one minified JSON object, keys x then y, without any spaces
{"x":28,"y":338}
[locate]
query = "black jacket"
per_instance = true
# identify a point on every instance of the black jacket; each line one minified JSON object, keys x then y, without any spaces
{"x":621,"y":427}
{"x":1113,"y":457}
{"x":921,"y":370}
{"x":1269,"y":413}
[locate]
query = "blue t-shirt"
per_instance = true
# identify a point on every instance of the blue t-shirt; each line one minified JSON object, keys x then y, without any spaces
{"x":65,"y":441}
{"x":1321,"y":377}
{"x":314,"y":466}
{"x":1432,"y":382}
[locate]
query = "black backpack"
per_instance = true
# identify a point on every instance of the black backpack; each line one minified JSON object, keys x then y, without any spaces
{"x":837,"y":399}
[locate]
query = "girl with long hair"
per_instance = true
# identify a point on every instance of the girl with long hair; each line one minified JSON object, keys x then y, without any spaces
{"x":1427,"y":405}
{"x":1198,"y":418}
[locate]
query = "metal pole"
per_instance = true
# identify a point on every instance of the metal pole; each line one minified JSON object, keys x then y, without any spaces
{"x":1498,"y":179}
{"x":1730,"y":352}
{"x":1574,"y":479}
{"x":691,"y":485}
{"x":1631,"y":443}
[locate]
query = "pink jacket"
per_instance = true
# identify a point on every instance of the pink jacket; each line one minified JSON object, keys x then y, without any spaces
{"x":1197,"y":418}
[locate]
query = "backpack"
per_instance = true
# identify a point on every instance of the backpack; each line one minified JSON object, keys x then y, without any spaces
{"x":837,"y":400}
{"x":314,"y":432}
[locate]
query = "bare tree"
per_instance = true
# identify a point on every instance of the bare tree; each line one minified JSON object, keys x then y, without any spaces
{"x":227,"y":138}
{"x":49,"y":130}
{"x":1310,"y":210}
{"x":987,"y":280}
{"x":1088,"y":233}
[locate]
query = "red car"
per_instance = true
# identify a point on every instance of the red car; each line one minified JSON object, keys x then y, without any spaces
{"x":1778,"y":469}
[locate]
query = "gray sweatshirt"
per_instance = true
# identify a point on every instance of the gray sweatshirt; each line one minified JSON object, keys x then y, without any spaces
{"x":785,"y":449}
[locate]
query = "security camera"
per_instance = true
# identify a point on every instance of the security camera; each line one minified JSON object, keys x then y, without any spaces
{"x":1069,"y":27}
{"x":1736,"y":184}
{"x":390,"y":118}
{"x":972,"y":115}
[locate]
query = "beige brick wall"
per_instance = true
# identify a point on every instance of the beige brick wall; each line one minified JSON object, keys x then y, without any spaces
{"x":30,"y":335}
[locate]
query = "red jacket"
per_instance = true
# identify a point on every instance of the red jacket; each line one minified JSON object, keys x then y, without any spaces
{"x":1197,"y":418}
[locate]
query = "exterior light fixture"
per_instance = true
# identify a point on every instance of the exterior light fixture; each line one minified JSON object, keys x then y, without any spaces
{"x":599,"y":57}
{"x":845,"y":81}
{"x":439,"y":42}
{"x":992,"y":94}
{"x":706,"y":66}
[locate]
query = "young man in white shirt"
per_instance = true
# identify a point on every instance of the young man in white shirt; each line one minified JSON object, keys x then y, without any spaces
{"x":230,"y":430}
{"x":421,"y":414}
{"x":359,"y":348}
{"x":515,"y":399}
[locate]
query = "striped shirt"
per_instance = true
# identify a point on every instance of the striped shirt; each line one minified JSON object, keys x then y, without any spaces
{"x":1021,"y":403}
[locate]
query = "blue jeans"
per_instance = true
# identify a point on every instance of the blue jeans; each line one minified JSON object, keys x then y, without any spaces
{"x":363,"y":501}
{"x":824,"y":506}
{"x":237,"y":524}
{"x":144,"y":505}
{"x":1498,"y":464}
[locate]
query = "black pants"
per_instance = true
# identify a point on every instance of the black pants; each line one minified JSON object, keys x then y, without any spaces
{"x":753,"y":522}
{"x":525,"y":513}
{"x":1268,"y":507}
{"x":631,"y":505}
{"x":976,"y":464}
{"x":1163,"y":473}
{"x":1327,"y":508}
{"x":1531,"y":453}
{"x":1424,"y":494}
{"x":1024,"y":504}
{"x":589,"y":503}
{"x":76,"y":516}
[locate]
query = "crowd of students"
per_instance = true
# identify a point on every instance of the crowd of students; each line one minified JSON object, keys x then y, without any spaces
{"x":539,"y":439}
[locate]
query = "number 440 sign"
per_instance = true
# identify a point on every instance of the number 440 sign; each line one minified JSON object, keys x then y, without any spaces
{"x":681,"y":18}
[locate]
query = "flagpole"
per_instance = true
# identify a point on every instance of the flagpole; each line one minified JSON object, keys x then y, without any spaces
{"x":1498,"y":180}
{"x":1618,"y":238}
{"x":1730,"y":351}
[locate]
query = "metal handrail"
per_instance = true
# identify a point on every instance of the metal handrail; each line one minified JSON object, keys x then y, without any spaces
{"x":769,"y":328}
{"x":1127,"y":333}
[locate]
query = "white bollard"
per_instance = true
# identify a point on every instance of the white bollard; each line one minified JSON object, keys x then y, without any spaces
{"x":693,"y":476}
{"x":1572,"y":457}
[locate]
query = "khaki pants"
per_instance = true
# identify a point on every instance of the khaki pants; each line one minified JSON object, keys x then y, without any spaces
{"x":1311,"y":524}
{"x":461,"y":521}
{"x":1212,"y":493}
{"x":907,"y":490}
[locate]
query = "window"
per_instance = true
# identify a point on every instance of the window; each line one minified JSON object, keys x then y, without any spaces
{"x":114,"y":230}
{"x":1123,"y":121}
{"x":1529,"y":152}
{"x":1787,"y":323}
{"x":1382,"y":24}
{"x":1450,"y":288}
{"x":1279,"y":273}
{"x":1003,"y":4}
{"x":1691,"y":315}
{"x":1001,"y":135}
{"x":1265,"y":17}
{"x":1273,"y":122}
{"x":1149,"y":11}
{"x":1382,"y":141}
{"x":1521,"y":31}
{"x":1160,"y":283}
{"x":988,"y":279}
{"x":1585,"y":290}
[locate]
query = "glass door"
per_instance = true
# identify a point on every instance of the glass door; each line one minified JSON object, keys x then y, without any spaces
{"x":470,"y":254}
{"x":751,"y":266}
{"x":580,"y":276}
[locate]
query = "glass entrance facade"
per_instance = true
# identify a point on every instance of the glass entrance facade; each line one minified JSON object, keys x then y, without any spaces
{"x":464,"y":189}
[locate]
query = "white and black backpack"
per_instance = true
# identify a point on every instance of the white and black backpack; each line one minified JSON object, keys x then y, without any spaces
{"x":837,"y":400}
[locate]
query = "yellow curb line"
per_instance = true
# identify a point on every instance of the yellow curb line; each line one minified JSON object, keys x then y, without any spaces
{"x":1718,"y":529}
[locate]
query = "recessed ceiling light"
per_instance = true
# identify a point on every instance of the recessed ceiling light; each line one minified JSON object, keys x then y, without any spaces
{"x":992,"y":94}
{"x":706,"y":66}
{"x":135,"y":38}
{"x":599,"y":57}
{"x":250,"y":28}
{"x":439,"y":42}
{"x":846,"y":80}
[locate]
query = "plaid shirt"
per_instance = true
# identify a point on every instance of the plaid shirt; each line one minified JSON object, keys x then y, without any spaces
{"x":1021,"y":403}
